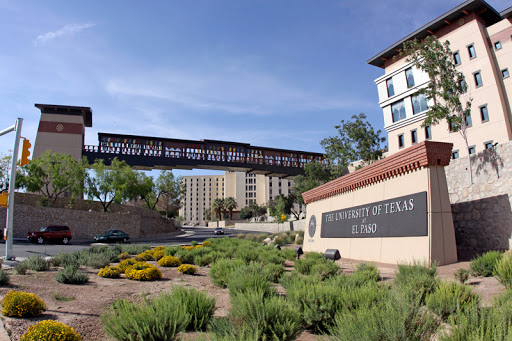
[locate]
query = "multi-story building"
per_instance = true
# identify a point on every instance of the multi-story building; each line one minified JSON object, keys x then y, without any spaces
{"x":246,"y":188}
{"x":480,"y":39}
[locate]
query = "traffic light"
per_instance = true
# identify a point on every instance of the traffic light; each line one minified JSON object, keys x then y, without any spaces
{"x":25,"y":152}
{"x":3,"y":199}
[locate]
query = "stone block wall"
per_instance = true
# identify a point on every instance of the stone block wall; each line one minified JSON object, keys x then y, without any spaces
{"x":481,"y":210}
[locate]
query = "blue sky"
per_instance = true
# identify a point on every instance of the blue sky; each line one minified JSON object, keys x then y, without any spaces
{"x":270,"y":73}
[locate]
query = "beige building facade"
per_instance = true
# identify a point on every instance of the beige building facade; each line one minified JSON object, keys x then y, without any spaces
{"x":246,"y":188}
{"x":481,"y":41}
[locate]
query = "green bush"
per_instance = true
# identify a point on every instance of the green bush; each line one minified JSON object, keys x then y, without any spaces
{"x":503,"y":270}
{"x":220,"y":270}
{"x":171,"y":250}
{"x":71,"y":275}
{"x":98,"y":260}
{"x":197,"y":304}
{"x":133,"y":249}
{"x":325,"y":269}
{"x":22,"y":304}
{"x":416,"y":280}
{"x":161,"y":318}
{"x":50,"y":330}
{"x":224,"y":329}
{"x":249,"y":277}
{"x":65,"y":259}
{"x":204,"y":260}
{"x":38,"y":263}
{"x":289,"y":254}
{"x":247,"y":255}
{"x":310,"y":259}
{"x":273,"y":272}
{"x":484,"y":264}
{"x":462,"y":275}
{"x":4,"y":277}
{"x":21,"y":268}
{"x":273,"y":316}
{"x":185,"y":256}
{"x":449,"y":298}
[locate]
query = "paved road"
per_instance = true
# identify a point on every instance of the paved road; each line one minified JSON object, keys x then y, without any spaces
{"x":23,"y":248}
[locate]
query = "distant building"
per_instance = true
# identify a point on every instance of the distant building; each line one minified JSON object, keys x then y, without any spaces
{"x":480,"y":39}
{"x":246,"y":188}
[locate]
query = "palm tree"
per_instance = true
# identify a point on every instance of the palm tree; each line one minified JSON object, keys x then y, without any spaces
{"x":230,"y":204}
{"x":218,"y":207}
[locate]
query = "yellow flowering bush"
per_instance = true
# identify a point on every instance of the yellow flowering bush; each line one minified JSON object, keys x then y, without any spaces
{"x":207,"y":243}
{"x":123,"y":256}
{"x":198,"y":246}
{"x":110,"y":272}
{"x":125,"y":264}
{"x":145,"y":256}
{"x":142,"y":271}
{"x":169,"y":261}
{"x":22,"y":304}
{"x":187,"y":269}
{"x":189,"y":247}
{"x":49,"y":330}
{"x":158,"y":252}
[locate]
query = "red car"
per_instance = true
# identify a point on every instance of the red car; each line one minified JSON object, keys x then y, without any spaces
{"x":54,"y":233}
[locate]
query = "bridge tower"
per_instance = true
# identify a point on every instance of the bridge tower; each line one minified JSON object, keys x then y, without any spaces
{"x":62,"y":129}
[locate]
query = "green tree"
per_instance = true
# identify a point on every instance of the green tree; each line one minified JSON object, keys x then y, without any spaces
{"x":114,"y":183}
{"x":356,"y":141}
{"x":166,"y":187}
{"x":207,"y":214}
{"x":218,"y":207}
{"x":230,"y":204}
{"x":447,"y":87}
{"x":315,"y":174}
{"x":280,"y":206}
{"x":253,"y":210}
{"x":52,"y":174}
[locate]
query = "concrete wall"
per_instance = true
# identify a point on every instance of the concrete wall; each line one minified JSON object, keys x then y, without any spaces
{"x":296,"y":225}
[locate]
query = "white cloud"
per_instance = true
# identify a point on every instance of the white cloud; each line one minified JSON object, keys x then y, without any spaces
{"x":66,"y":30}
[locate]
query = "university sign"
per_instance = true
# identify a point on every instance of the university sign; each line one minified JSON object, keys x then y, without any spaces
{"x":404,"y":216}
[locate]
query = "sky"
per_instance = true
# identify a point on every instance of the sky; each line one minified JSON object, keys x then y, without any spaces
{"x":272,"y":73}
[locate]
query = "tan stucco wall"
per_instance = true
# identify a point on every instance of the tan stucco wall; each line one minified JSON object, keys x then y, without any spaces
{"x":438,"y":246}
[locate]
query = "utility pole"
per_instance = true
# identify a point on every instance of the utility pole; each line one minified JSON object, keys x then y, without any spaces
{"x":9,"y":254}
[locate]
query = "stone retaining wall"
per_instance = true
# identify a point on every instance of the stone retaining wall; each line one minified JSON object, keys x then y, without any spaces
{"x":482,"y":211}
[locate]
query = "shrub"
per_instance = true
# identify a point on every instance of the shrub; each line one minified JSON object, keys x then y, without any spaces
{"x":187,"y":269}
{"x":325,"y":269}
{"x":142,"y":271}
{"x":158,"y":319}
{"x":273,"y":272}
{"x":462,"y":275}
{"x":289,"y":254}
{"x":49,"y":330}
{"x":134,"y":249}
{"x":169,"y":261}
{"x":363,"y":274}
{"x":310,"y":259}
{"x":125,"y":264}
{"x":204,"y":260}
{"x":503,"y":270}
{"x":186,"y":257}
{"x":38,"y":263}
{"x":123,"y":256}
{"x":110,"y":272}
{"x":207,"y":243}
{"x":71,"y":275}
{"x":249,"y":277}
{"x":22,"y":304}
{"x":247,"y":255}
{"x":194,"y":243}
{"x":449,"y":298}
{"x":416,"y":280}
{"x":299,"y":241}
{"x":65,"y":259}
{"x":197,"y":305}
{"x":144,"y":256}
{"x":224,"y":329}
{"x":220,"y":270}
{"x":97,"y":260}
{"x":4,"y":277}
{"x":484,"y":264}
{"x":273,"y":316}
{"x":21,"y":268}
{"x":171,"y":250}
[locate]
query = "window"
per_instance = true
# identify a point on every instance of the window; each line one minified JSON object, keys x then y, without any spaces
{"x":478,"y":79}
{"x":419,"y":103}
{"x":410,"y":78}
{"x":398,"y":111}
{"x":469,"y":122}
{"x":451,"y":126}
{"x":505,"y":73}
{"x":401,"y":141}
{"x":472,"y":150}
{"x":391,"y":89}
{"x":428,"y":133}
{"x":463,"y":86}
{"x":471,"y":51}
{"x":456,"y":58}
{"x":497,"y":45}
{"x":414,"y":136}
{"x":455,"y":154}
{"x":484,"y":114}
{"x":488,"y":145}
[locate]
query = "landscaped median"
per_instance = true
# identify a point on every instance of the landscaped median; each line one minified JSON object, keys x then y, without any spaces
{"x":240,"y":289}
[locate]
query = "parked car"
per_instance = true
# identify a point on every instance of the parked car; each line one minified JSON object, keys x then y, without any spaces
{"x":53,"y":233}
{"x":112,"y":236}
{"x":218,"y":230}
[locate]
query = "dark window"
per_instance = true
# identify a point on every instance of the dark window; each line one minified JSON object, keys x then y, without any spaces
{"x":478,"y":79}
{"x":401,"y":141}
{"x":456,"y":58}
{"x":472,"y":150}
{"x":398,"y":111}
{"x":469,"y":122}
{"x":505,"y":73}
{"x":391,"y":89}
{"x":414,"y":136}
{"x":419,"y":103}
{"x":497,"y":45}
{"x":428,"y":133}
{"x":471,"y":51}
{"x":455,"y":154}
{"x":488,"y":145}
{"x":463,"y":86}
{"x":484,"y":114}
{"x":410,"y":77}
